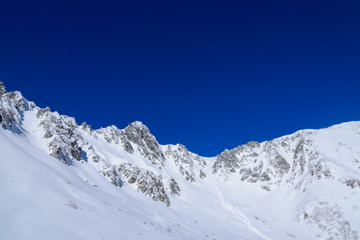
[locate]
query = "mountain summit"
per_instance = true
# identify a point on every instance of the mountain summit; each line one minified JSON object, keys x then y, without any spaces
{"x":61,"y":180}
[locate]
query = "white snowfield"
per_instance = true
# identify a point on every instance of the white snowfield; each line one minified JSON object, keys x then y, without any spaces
{"x":59,"y":180}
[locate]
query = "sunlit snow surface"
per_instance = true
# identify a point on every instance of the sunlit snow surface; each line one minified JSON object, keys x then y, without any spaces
{"x":43,"y":198}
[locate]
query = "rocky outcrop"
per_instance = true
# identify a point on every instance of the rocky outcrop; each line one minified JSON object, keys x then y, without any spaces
{"x":2,"y":89}
{"x":147,"y":182}
{"x":157,"y":187}
{"x":353,"y":183}
{"x":138,"y":134}
{"x":65,"y":141}
{"x":285,"y":159}
{"x":12,"y":107}
{"x":135,"y":137}
{"x":188,"y":164}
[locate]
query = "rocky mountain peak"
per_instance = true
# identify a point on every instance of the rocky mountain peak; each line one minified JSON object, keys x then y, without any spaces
{"x":139,"y":128}
{"x":148,"y":146}
{"x":138,"y":124}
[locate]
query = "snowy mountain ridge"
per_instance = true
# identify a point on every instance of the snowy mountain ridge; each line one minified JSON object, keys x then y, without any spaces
{"x":239,"y":194}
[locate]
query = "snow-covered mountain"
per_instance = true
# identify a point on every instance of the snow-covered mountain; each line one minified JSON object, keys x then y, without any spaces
{"x":61,"y":180}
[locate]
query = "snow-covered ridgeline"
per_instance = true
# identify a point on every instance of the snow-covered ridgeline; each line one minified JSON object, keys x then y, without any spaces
{"x":295,"y":172}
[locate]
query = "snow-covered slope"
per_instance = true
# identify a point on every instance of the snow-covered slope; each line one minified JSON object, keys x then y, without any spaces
{"x":61,"y":180}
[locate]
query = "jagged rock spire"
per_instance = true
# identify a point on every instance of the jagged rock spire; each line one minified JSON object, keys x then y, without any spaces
{"x":2,"y":88}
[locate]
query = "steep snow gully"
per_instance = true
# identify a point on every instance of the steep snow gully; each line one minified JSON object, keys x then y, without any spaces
{"x":239,"y":215}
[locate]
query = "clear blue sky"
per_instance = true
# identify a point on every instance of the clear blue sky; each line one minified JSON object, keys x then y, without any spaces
{"x":208,"y":74}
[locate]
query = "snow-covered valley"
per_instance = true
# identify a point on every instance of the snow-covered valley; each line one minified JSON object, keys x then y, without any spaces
{"x":61,"y":180}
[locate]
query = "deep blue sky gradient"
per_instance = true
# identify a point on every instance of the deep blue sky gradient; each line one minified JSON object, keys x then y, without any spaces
{"x":208,"y":74}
